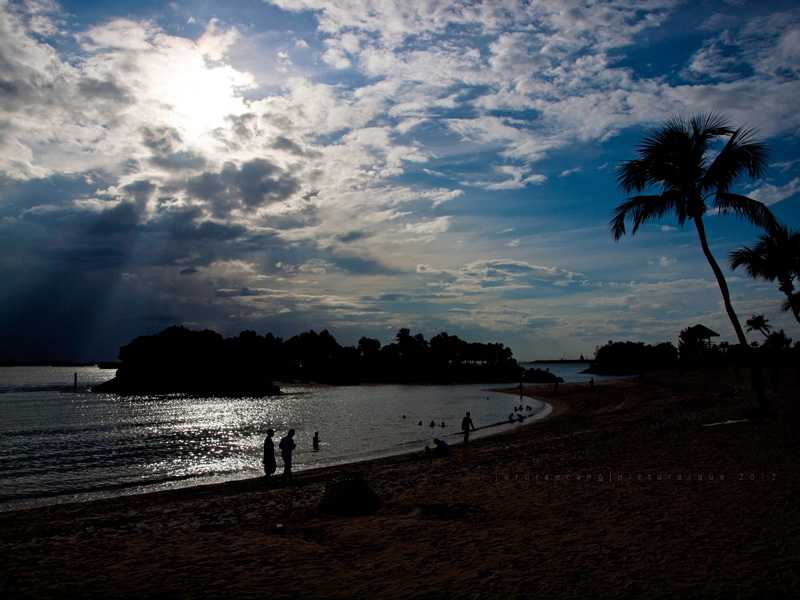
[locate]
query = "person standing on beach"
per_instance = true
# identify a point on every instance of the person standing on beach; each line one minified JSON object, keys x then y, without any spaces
{"x":287,"y":446}
{"x":269,"y":454}
{"x":315,"y":441}
{"x":466,"y":426}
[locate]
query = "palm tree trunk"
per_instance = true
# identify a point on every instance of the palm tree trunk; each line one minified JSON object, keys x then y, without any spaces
{"x":723,"y":285}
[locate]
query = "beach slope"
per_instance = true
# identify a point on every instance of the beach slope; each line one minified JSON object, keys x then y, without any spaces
{"x":627,"y":489}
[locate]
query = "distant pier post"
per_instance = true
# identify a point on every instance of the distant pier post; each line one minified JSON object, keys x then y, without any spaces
{"x":75,"y":382}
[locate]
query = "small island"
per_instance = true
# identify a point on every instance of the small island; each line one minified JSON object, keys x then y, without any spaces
{"x":179,"y":360}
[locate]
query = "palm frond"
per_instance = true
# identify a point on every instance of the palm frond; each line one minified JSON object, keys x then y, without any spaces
{"x":741,"y":154}
{"x":749,"y":259}
{"x":640,"y":210}
{"x":709,"y":125}
{"x":752,"y":210}
{"x":704,"y":128}
{"x":632,"y":176}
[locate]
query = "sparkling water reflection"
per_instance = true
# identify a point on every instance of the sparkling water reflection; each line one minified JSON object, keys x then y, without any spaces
{"x":57,"y":445}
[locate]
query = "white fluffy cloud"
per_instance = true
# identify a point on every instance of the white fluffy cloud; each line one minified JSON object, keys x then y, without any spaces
{"x":772,"y":194}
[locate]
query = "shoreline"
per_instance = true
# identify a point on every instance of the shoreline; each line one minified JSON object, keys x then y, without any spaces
{"x":311,"y":474}
{"x":620,"y":491}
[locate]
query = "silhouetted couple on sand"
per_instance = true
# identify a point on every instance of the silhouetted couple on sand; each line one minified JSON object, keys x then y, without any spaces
{"x":286,"y":446}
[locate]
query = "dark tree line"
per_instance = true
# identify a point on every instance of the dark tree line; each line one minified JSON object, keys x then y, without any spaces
{"x":179,"y":359}
{"x":628,"y":358}
{"x":694,"y":351}
{"x":409,"y":358}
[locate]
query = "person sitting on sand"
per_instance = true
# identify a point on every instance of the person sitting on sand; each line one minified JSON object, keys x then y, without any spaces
{"x":433,"y":424}
{"x":287,"y":446}
{"x":520,"y":418}
{"x":420,"y":423}
{"x":269,"y":454}
{"x":442,"y":425}
{"x":315,"y":441}
{"x":441,"y":448}
{"x":466,"y":426}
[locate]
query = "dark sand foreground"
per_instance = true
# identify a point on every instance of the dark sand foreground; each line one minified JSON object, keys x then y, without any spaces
{"x":622,"y":492}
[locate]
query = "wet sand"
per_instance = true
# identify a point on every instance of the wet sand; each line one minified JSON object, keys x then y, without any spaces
{"x":623,"y":491}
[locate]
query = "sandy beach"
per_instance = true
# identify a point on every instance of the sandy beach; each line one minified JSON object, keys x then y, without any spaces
{"x":628,"y":489}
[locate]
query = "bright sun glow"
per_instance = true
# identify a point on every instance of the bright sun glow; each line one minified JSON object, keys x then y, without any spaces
{"x":191,"y":94}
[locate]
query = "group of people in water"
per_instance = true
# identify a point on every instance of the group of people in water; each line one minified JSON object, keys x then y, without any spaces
{"x":287,"y":446}
{"x":517,"y":415}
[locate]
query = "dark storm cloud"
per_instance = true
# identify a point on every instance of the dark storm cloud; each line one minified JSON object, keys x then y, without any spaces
{"x":17,"y":196}
{"x":140,"y":191}
{"x":188,"y":225}
{"x":83,"y":277}
{"x":78,"y":283}
{"x":253,"y":184}
{"x":260,"y":182}
{"x":121,"y":218}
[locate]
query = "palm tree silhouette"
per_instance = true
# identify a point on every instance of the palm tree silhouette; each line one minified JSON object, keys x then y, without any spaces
{"x":776,"y":256}
{"x":759,"y":323}
{"x":675,"y":158}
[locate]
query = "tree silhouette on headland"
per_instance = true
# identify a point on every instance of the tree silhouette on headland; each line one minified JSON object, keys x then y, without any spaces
{"x":775,"y":257}
{"x":675,"y":158}
{"x":203,"y":362}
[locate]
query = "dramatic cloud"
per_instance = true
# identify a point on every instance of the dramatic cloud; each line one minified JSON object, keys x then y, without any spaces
{"x":360,"y":165}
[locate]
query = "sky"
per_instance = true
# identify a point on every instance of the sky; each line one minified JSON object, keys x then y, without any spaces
{"x":362,"y":166}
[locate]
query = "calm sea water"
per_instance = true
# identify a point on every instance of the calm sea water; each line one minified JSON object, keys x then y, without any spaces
{"x":57,"y":445}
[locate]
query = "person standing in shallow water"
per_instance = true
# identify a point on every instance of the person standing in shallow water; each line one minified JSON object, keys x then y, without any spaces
{"x":466,"y":426}
{"x":287,"y":446}
{"x":269,"y":454}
